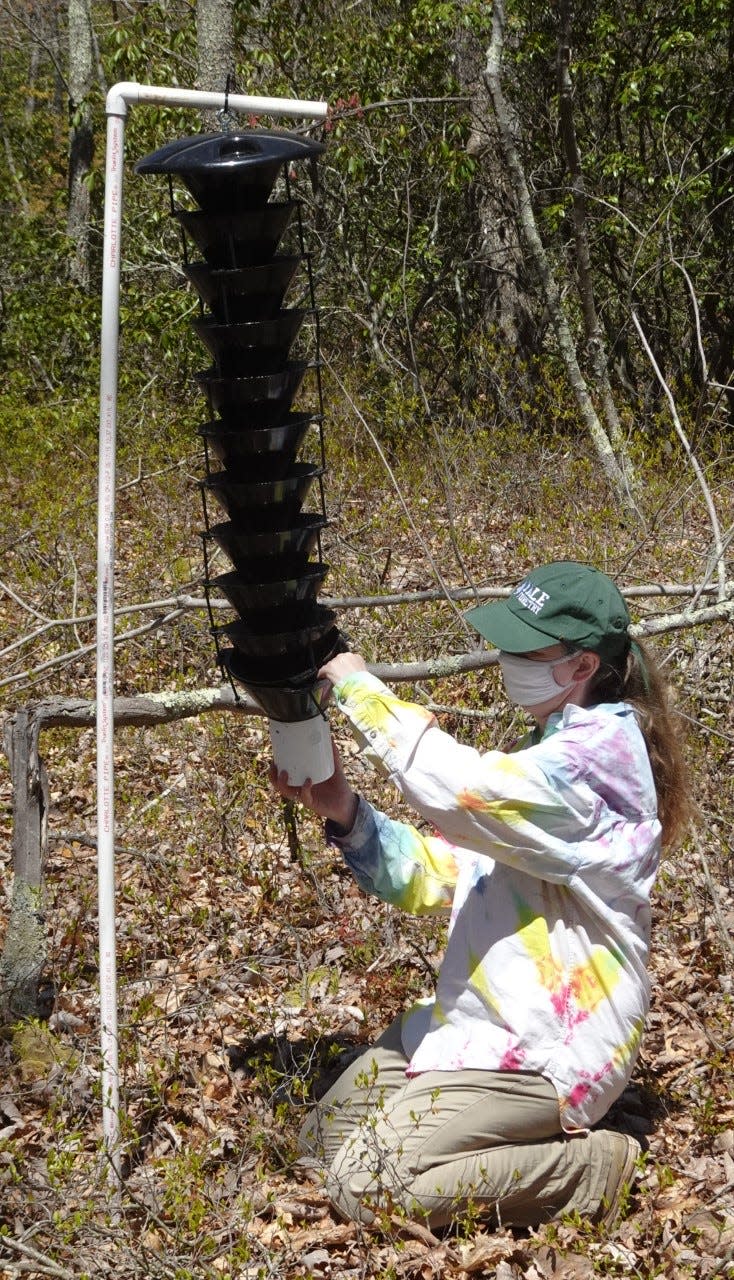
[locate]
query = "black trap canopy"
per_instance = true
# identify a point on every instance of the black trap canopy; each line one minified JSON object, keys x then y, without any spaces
{"x":267,"y":399}
{"x":273,"y":502}
{"x":243,"y":594}
{"x":286,"y":685}
{"x":259,"y":636}
{"x":230,"y":170}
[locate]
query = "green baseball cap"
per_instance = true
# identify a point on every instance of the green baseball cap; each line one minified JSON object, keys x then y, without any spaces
{"x":561,"y":602}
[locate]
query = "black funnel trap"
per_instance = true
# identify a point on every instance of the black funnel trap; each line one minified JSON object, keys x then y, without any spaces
{"x":276,"y":501}
{"x":238,"y":239}
{"x":276,"y":632}
{"x":266,"y":399}
{"x":283,"y":684}
{"x":244,"y":544}
{"x":280,"y":636}
{"x":260,"y":346}
{"x":273,"y":593}
{"x":257,"y":453}
{"x":243,"y":294}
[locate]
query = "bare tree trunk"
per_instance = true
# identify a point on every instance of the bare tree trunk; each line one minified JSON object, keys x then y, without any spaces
{"x":30,"y":102}
{"x":14,"y":173}
{"x":24,"y":954}
{"x":81,"y":138}
{"x":502,"y":274}
{"x":595,"y":343}
{"x":215,"y":44}
{"x":50,"y":13}
{"x":614,"y":471}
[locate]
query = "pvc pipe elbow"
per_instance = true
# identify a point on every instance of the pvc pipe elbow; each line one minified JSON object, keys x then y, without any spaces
{"x":118,"y":97}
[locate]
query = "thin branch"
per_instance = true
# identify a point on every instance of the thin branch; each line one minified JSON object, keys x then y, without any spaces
{"x":418,"y":383}
{"x":166,"y":707}
{"x":43,"y":1263}
{"x":713,"y":517}
{"x":365,"y":107}
{"x":180,"y":603}
{"x":20,"y":601}
{"x":442,"y":667}
{"x":595,"y":343}
{"x":615,"y":468}
{"x":88,"y":841}
{"x":696,"y":316}
{"x":720,"y":612}
{"x":175,"y":606}
{"x":10,"y":161}
{"x":724,"y":932}
{"x":63,"y":658}
{"x":34,"y":33}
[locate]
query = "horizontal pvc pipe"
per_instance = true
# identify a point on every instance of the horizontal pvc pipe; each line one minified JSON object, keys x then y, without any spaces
{"x":129,"y":92}
{"x":118,"y":98}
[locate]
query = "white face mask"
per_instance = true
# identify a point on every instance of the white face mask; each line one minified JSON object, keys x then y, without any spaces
{"x":529,"y":683}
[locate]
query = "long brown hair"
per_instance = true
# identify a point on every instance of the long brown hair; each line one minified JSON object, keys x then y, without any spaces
{"x":636,"y":678}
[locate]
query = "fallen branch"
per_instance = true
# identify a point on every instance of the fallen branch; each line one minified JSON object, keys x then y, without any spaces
{"x":147,"y":709}
{"x":23,"y":958}
{"x":74,"y":654}
{"x":188,"y":602}
{"x":173,"y":607}
{"x":433,"y":669}
{"x":43,"y":1263}
{"x":167,"y":706}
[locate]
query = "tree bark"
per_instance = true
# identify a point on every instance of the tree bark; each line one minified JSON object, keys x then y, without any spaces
{"x":508,"y":127}
{"x":215,"y":51}
{"x":23,"y":958}
{"x":595,"y":344}
{"x":501,"y":271}
{"x":15,"y":174}
{"x":81,"y":137}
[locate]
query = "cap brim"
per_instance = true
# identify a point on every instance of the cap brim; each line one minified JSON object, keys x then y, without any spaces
{"x":496,"y":623}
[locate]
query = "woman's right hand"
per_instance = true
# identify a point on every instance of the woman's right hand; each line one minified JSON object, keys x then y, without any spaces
{"x":341,"y":665}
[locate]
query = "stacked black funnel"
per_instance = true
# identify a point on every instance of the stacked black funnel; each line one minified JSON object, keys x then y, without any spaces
{"x":253,"y":437}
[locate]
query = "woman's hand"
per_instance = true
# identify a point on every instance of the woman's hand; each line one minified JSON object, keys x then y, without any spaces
{"x":341,"y":665}
{"x":333,"y":798}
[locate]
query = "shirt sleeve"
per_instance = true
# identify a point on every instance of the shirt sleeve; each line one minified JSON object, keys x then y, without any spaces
{"x":396,"y":862}
{"x":500,"y":805}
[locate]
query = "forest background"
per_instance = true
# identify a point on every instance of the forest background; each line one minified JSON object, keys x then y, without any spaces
{"x":521,"y":247}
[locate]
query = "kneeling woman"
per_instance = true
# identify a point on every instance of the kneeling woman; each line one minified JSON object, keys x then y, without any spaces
{"x":484,"y":1098}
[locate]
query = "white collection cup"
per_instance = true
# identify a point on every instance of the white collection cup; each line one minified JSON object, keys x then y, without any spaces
{"x":303,"y":748}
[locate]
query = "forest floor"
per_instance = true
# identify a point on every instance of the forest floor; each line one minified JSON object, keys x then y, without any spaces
{"x":251,"y":967}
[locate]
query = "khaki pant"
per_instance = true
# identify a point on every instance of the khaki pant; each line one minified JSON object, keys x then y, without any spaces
{"x":450,"y":1143}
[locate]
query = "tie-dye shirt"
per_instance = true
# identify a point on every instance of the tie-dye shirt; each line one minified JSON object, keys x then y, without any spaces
{"x":546,"y":858}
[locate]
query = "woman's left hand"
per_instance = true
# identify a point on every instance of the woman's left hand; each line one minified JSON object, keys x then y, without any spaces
{"x":333,"y":798}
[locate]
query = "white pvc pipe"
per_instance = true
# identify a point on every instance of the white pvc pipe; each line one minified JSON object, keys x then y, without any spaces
{"x":118,"y":98}
{"x":128,"y":92}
